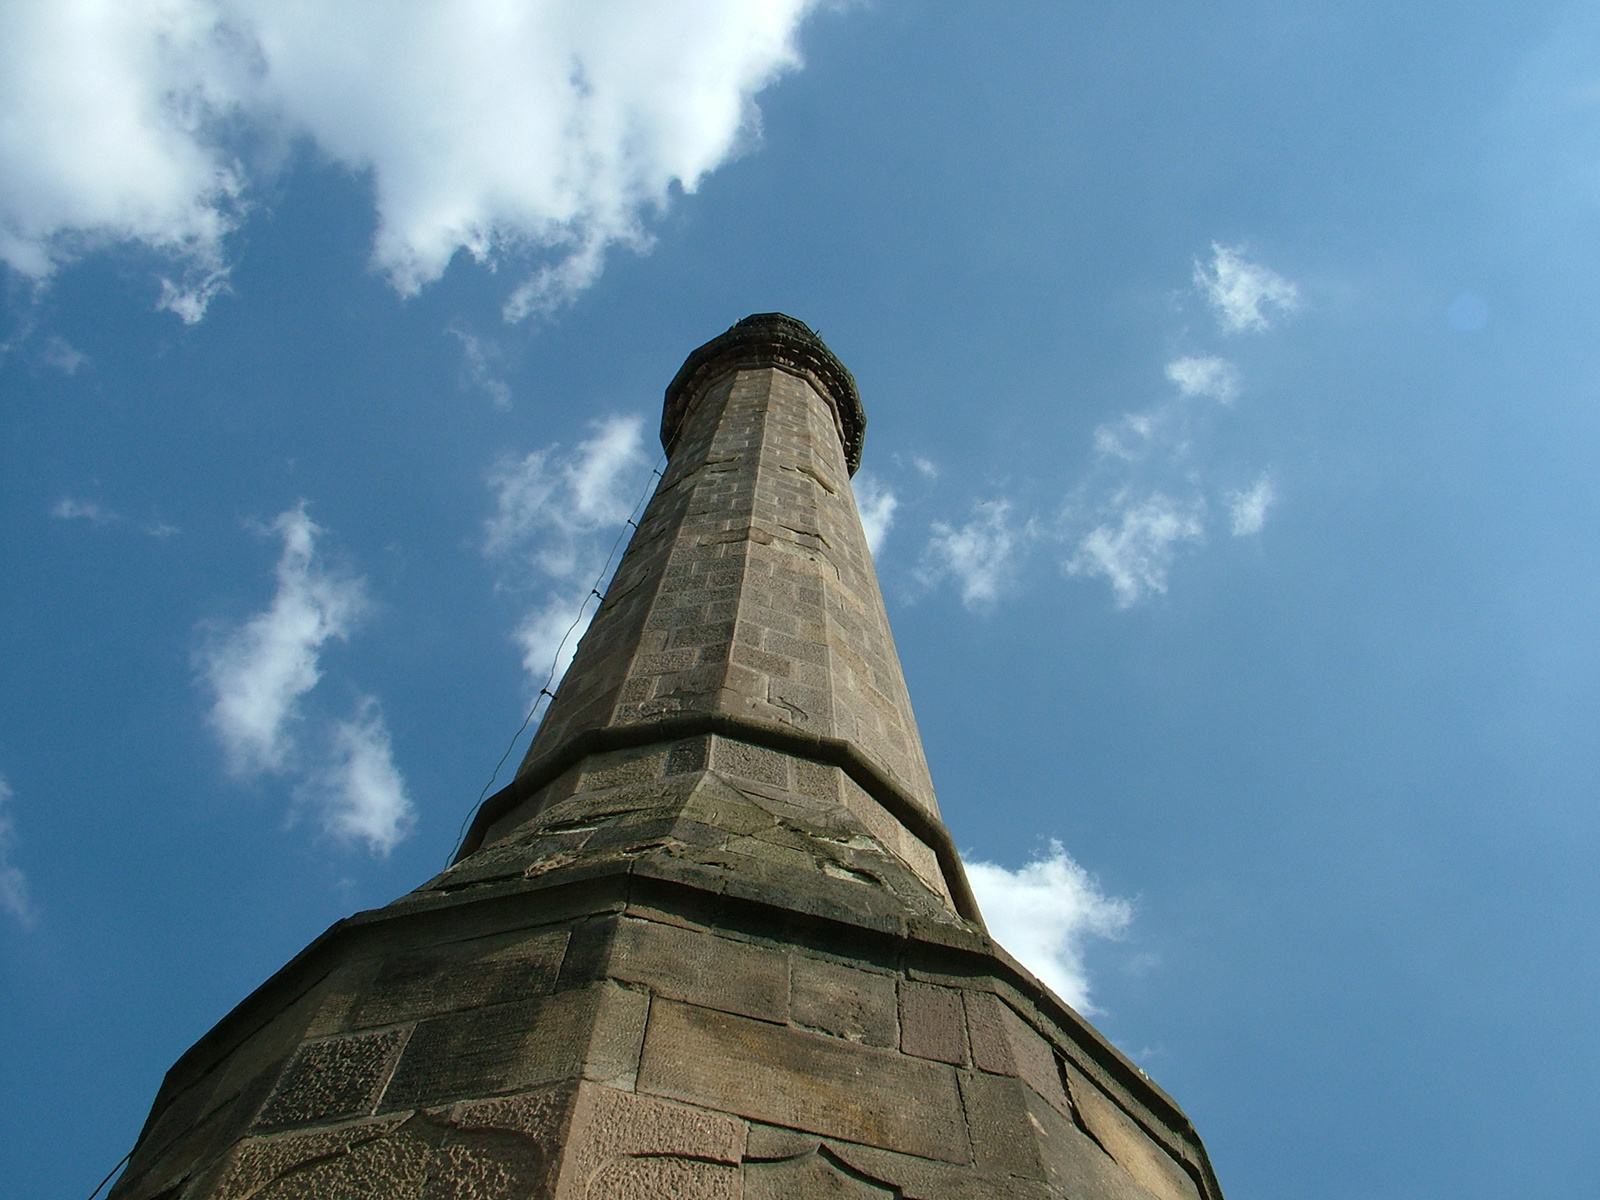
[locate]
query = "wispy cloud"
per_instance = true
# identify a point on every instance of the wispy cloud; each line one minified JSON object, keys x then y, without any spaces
{"x":876,"y":504}
{"x":359,"y":790}
{"x":1207,"y":376}
{"x":1150,"y":485}
{"x":480,"y":358}
{"x":1247,"y":510}
{"x":1046,"y":914}
{"x":557,"y":514}
{"x":1243,"y":293}
{"x":14,"y":896}
{"x":1135,"y":550}
{"x":979,"y":556}
{"x":57,"y":352}
{"x":259,"y":671}
{"x":72,"y":508}
{"x":535,"y":131}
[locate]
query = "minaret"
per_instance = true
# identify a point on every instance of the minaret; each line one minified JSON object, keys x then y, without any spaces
{"x":713,"y":941}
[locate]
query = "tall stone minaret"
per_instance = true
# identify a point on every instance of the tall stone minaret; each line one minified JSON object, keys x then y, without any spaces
{"x":713,"y":941}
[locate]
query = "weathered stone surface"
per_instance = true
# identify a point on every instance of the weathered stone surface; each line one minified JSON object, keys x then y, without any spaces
{"x":699,"y":968}
{"x":439,"y":980}
{"x":932,"y":1023}
{"x":1151,"y":1166}
{"x":414,"y":1158}
{"x":846,"y":1001}
{"x":790,"y":1077}
{"x":997,"y":1118}
{"x":625,"y":1145}
{"x":817,"y":1175}
{"x":333,"y":1078}
{"x":592,"y":1033}
{"x":1003,"y":1043}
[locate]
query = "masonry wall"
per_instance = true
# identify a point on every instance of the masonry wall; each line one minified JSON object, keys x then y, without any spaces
{"x":642,"y":1053}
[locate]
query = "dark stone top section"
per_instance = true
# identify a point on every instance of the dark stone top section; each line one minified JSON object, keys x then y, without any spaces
{"x":770,"y":340}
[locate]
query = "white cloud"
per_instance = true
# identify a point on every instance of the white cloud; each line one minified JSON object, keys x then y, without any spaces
{"x":1248,"y":510}
{"x":69,"y":508}
{"x":549,"y":504}
{"x":497,"y":127}
{"x":1135,"y":549}
{"x":925,"y":467}
{"x":1045,"y":914}
{"x":107,"y":133}
{"x":556,"y":516}
{"x":1238,"y":290}
{"x":876,"y":504}
{"x":360,"y":790}
{"x":978,"y":556}
{"x":14,"y":897}
{"x":549,"y":636}
{"x":259,"y":671}
{"x":1210,"y":376}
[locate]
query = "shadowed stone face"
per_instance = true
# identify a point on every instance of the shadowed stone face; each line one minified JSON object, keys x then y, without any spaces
{"x":715,"y":945}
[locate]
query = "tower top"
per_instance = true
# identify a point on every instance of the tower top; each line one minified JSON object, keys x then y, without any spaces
{"x":770,"y":340}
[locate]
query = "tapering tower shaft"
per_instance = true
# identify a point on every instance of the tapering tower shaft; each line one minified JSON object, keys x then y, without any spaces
{"x":747,"y":602}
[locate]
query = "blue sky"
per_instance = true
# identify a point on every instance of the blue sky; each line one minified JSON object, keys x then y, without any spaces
{"x":1233,"y":397}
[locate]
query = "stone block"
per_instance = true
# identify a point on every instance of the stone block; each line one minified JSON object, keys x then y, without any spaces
{"x":1074,"y":1164}
{"x":430,"y":982}
{"x":1134,"y":1150}
{"x":920,"y":1179}
{"x":745,"y":761}
{"x":512,"y":1047}
{"x":845,"y":1001}
{"x":1004,"y":1044}
{"x":803,"y":1080}
{"x":331,"y":1079}
{"x":701,"y":968}
{"x":415,"y":1158}
{"x":932,"y":1024}
{"x":997,"y":1119}
{"x":817,"y":1175}
{"x":624,"y":1145}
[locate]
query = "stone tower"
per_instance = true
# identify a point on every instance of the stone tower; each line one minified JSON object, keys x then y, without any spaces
{"x":713,"y":941}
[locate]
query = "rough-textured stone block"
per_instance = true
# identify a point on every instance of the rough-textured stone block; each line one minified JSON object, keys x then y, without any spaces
{"x":920,"y":1179}
{"x":625,"y":1145}
{"x":336,"y":1077}
{"x":701,"y":968}
{"x":932,"y":1024}
{"x":805,"y":1080}
{"x":845,"y":1001}
{"x":418,"y":1158}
